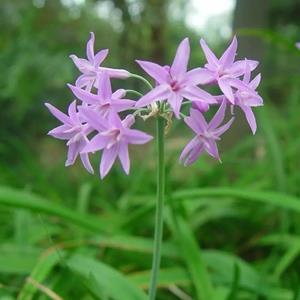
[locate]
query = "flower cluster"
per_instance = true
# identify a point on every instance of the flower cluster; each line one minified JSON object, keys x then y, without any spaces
{"x":94,"y":122}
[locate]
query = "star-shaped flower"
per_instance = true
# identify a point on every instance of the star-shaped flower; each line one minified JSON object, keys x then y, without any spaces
{"x":113,"y":138}
{"x":90,"y":67}
{"x":74,"y":131}
{"x":105,"y":101}
{"x":174,"y":82}
{"x":225,"y":70}
{"x":206,"y":135}
{"x":247,"y":97}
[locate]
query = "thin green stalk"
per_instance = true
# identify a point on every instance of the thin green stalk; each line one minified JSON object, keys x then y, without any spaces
{"x":158,"y":234}
{"x":134,"y":93}
{"x":142,"y":79}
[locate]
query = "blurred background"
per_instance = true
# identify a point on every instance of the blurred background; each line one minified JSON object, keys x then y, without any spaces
{"x":64,"y":231}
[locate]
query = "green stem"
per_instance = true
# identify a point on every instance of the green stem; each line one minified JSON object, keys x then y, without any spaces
{"x":142,"y":79}
{"x":134,"y":92}
{"x":158,"y":234}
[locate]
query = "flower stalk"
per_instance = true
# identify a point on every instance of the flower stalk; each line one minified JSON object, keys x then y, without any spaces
{"x":158,"y":233}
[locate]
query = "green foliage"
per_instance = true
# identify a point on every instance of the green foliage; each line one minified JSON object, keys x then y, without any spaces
{"x":232,"y":230}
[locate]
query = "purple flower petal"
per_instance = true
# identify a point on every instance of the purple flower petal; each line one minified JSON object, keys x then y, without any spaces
{"x":120,"y":93}
{"x":255,"y":82}
{"x":199,"y":76}
{"x":218,"y":117}
{"x":161,"y":92}
{"x":210,"y":57}
{"x":191,"y":151}
{"x":98,"y":142}
{"x":238,"y":67}
{"x":104,"y":86}
{"x":157,"y":72}
{"x":58,"y":114}
{"x":99,"y":57}
{"x":59,"y":132}
{"x":90,"y":47}
{"x":180,"y":62}
{"x":82,"y":64}
{"x":175,"y":101}
{"x":219,"y":131}
{"x":115,"y":73}
{"x":134,"y":136}
{"x":250,"y":117}
{"x":86,"y":162}
{"x":228,"y":56}
{"x":94,"y":118}
{"x":124,"y":157}
{"x":194,"y":93}
{"x":107,"y":160}
{"x":196,"y":121}
{"x":212,"y":149}
{"x":201,"y":106}
{"x":226,"y":89}
{"x":84,"y":96}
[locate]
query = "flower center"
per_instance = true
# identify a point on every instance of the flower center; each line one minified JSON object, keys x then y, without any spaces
{"x":115,"y":136}
{"x":175,"y":86}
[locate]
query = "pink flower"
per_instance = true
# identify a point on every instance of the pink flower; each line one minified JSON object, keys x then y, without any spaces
{"x":225,"y":70}
{"x":90,"y":67}
{"x":174,"y":82}
{"x":74,"y":131}
{"x":105,"y":101}
{"x":206,"y":135}
{"x":113,"y":137}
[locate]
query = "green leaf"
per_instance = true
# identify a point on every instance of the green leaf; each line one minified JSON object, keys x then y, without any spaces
{"x":192,"y":255}
{"x":39,"y":273}
{"x":113,"y":283}
{"x":20,"y":199}
{"x":273,"y":198}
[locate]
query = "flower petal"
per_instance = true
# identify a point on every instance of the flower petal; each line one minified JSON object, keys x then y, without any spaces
{"x":175,"y":101}
{"x":124,"y":157}
{"x":157,"y":72}
{"x":115,"y":73}
{"x":134,"y":136}
{"x":93,"y":118}
{"x":226,"y":89}
{"x":104,"y":86}
{"x":196,"y":121}
{"x":82,"y":64}
{"x":85,"y":80}
{"x":58,"y":114}
{"x":180,"y":62}
{"x":194,"y":93}
{"x":228,"y":56}
{"x":107,"y":160}
{"x":122,"y":104}
{"x":161,"y":92}
{"x":191,"y":151}
{"x":250,"y":117}
{"x":212,"y":149}
{"x":99,"y":57}
{"x":84,"y":95}
{"x":218,"y":117}
{"x":90,"y":47}
{"x":86,"y":162}
{"x":59,"y":132}
{"x":72,"y":112}
{"x":255,"y":82}
{"x":210,"y":56}
{"x":98,"y":142}
{"x":199,"y":76}
{"x":120,"y":93}
{"x":238,"y":67}
{"x":219,"y":131}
